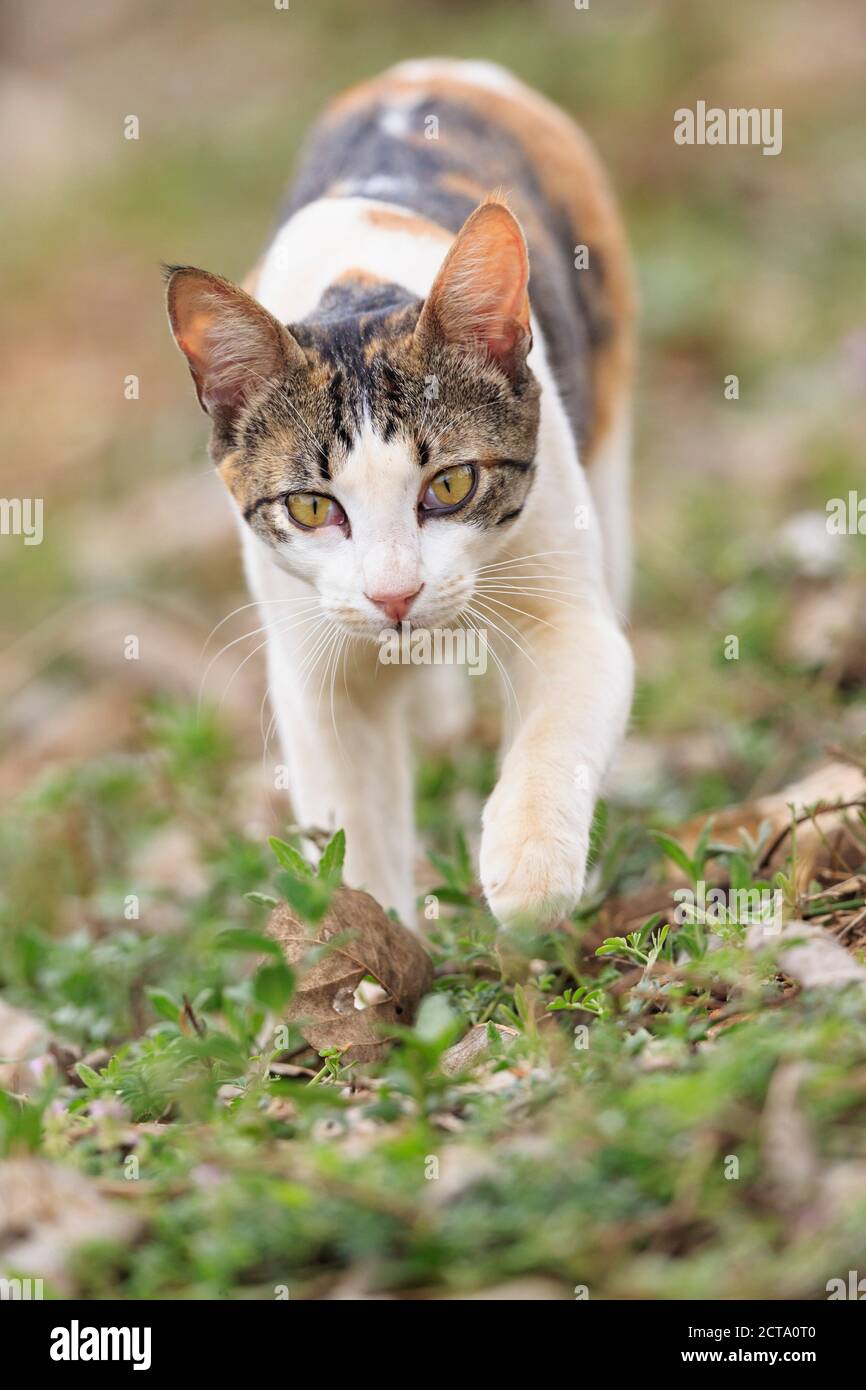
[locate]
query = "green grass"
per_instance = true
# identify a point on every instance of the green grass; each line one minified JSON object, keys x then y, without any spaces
{"x":125,"y":874}
{"x":593,"y":1148}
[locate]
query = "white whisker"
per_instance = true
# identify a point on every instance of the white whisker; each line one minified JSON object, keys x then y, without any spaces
{"x":500,"y":603}
{"x":519,"y":559}
{"x":559,"y":596}
{"x":516,"y":579}
{"x":257,"y":603}
{"x":313,"y":658}
{"x":511,"y":703}
{"x":489,"y":622}
{"x":278,"y":627}
{"x":265,"y":627}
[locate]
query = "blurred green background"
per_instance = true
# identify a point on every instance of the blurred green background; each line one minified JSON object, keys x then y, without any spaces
{"x":747,"y":265}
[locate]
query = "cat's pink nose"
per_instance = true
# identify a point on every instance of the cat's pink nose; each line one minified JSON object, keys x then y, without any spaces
{"x":395,"y":605}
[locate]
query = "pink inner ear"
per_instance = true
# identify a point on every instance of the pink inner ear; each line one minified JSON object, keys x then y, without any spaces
{"x":480,"y":297}
{"x":503,"y":344}
{"x":228,"y":347}
{"x":187,"y":349}
{"x":218,"y":384}
{"x":194,"y":325}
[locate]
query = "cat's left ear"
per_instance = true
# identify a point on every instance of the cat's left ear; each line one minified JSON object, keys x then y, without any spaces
{"x":232,"y":344}
{"x":480,"y":297}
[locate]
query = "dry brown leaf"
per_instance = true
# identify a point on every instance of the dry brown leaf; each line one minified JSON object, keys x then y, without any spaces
{"x":471,"y":1048}
{"x":22,"y":1039}
{"x":828,"y":631}
{"x":827,"y":842}
{"x":788,"y":1150}
{"x":830,"y":785}
{"x":815,"y":960}
{"x":323,"y":1007}
{"x":45,"y":1211}
{"x":812,"y":1192}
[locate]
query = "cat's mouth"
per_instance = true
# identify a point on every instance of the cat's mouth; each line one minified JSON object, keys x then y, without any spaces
{"x":379,"y":629}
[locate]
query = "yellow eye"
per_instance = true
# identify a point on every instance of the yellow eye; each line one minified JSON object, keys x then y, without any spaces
{"x":449,"y":488}
{"x":312,"y":510}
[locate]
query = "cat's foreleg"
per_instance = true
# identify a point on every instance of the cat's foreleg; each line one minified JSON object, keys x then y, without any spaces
{"x":348,"y":758}
{"x":574,"y":697}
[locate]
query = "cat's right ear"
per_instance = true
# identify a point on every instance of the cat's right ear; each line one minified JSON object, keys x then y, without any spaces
{"x":479,"y":299}
{"x":232,"y":344}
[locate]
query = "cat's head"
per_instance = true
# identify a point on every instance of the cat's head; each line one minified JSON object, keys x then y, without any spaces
{"x":383,"y":448}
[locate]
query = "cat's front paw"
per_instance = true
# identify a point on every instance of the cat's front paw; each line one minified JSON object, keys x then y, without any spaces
{"x":533,"y":859}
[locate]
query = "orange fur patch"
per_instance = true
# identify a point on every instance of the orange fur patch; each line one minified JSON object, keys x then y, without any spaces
{"x":356,"y":276}
{"x":394,"y":221}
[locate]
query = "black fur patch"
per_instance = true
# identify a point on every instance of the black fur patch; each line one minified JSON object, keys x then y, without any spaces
{"x":357,"y":154}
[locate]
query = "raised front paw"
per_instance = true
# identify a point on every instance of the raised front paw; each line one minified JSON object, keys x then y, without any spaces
{"x":533,"y":857}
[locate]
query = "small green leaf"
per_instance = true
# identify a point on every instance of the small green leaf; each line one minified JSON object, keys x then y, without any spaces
{"x":273,"y":985}
{"x":218,"y":1047}
{"x":333,"y":856}
{"x":701,"y":849}
{"x":740,"y":872}
{"x":20,"y":1124}
{"x":236,"y":939}
{"x":163,"y":1004}
{"x":91,"y":1078}
{"x":448,"y":894}
{"x":674,"y":852}
{"x":261,"y":899}
{"x":649,"y":926}
{"x":612,"y":945}
{"x":310,"y":897}
{"x":289,"y":858}
{"x":464,"y":858}
{"x":437,"y":1023}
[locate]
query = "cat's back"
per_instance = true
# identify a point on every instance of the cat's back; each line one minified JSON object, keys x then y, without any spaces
{"x":436,"y":137}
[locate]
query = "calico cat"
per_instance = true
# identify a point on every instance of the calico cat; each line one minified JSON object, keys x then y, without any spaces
{"x":413,"y":433}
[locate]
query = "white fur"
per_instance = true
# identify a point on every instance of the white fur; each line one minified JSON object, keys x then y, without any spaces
{"x":609,"y":481}
{"x":326,"y":238}
{"x":477,"y":71}
{"x":346,"y":732}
